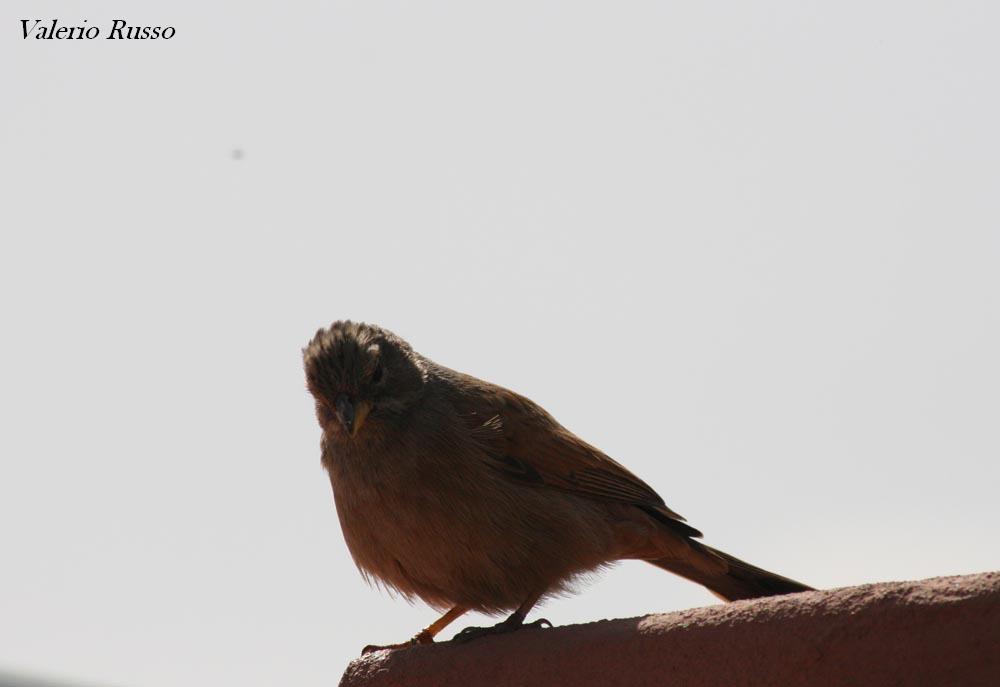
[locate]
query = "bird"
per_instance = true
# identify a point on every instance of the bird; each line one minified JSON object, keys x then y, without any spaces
{"x":472,"y":497}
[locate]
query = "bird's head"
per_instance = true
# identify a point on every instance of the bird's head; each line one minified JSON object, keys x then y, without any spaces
{"x":360,"y":375}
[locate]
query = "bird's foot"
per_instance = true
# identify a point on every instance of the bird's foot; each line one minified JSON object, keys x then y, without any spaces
{"x":423,"y":637}
{"x":511,"y":624}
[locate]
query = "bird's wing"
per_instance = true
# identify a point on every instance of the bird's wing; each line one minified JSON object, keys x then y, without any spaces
{"x":525,"y":443}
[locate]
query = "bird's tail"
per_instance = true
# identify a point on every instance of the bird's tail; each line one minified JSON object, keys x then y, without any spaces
{"x":728,"y":577}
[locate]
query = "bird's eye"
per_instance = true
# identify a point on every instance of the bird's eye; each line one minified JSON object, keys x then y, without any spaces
{"x":377,"y":374}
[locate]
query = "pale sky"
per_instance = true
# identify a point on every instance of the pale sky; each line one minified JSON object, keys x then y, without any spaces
{"x":766,"y":235}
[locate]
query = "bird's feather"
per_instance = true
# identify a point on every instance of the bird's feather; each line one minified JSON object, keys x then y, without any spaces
{"x":523,"y":442}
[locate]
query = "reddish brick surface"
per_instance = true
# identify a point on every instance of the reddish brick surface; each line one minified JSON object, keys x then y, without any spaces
{"x":943,"y":631}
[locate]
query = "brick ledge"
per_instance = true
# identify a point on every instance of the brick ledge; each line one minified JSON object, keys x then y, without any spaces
{"x":941,"y":631}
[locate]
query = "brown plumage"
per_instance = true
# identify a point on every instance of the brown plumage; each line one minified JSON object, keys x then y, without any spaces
{"x":472,"y":497}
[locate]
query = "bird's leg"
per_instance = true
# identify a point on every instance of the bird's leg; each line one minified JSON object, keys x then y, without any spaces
{"x":426,"y":635}
{"x":514,"y":622}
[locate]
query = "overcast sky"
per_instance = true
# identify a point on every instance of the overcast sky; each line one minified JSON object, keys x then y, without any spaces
{"x":748,"y":249}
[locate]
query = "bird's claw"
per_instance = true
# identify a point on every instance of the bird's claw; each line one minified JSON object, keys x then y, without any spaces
{"x":422,"y":637}
{"x":505,"y":627}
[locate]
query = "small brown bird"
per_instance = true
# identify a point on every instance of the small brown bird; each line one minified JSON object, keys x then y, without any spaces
{"x":473,"y":498}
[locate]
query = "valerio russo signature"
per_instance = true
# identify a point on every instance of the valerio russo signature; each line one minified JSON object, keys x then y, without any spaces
{"x":120,"y":29}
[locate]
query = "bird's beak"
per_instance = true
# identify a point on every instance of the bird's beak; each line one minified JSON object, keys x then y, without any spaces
{"x":351,"y":415}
